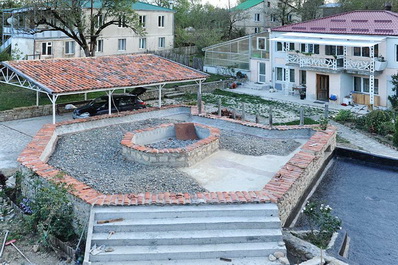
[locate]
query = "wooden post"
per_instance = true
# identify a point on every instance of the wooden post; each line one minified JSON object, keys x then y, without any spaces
{"x":257,"y":118}
{"x":301,"y":116}
{"x":219,"y":107}
{"x":200,"y":103}
{"x":270,"y":117}
{"x":326,"y":111}
{"x":233,"y":114}
{"x":243,"y":112}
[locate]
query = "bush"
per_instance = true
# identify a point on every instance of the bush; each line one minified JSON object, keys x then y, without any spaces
{"x":360,"y":122}
{"x":320,"y":217}
{"x":344,"y":116}
{"x":386,"y":128}
{"x":375,"y":119}
{"x":395,"y":137}
{"x":51,"y":212}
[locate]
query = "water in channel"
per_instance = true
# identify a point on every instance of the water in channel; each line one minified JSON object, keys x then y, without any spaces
{"x":365,"y":197}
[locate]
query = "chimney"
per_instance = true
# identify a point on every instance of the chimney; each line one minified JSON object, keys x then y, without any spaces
{"x":388,"y":6}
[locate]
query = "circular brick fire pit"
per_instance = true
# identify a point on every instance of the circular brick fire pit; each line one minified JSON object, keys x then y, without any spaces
{"x":135,"y":144}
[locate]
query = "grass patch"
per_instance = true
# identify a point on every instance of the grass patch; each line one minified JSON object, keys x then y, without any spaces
{"x":342,"y":140}
{"x":15,"y":97}
{"x":307,"y":121}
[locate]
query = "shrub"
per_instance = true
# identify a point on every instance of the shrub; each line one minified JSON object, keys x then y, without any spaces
{"x":375,"y":118}
{"x":344,"y":116}
{"x":319,"y":216}
{"x":51,"y":212}
{"x":386,"y":128}
{"x":395,"y":137}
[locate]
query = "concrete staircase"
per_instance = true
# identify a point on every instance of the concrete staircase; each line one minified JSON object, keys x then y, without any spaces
{"x":204,"y":234}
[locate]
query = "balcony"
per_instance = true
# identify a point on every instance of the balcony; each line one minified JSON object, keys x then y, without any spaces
{"x":25,"y":33}
{"x":335,"y":64}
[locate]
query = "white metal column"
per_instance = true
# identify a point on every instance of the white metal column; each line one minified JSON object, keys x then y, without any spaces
{"x":53,"y":99}
{"x":160,"y":95}
{"x":109,"y":93}
{"x":37,"y":97}
{"x":287,"y":79}
{"x":372,"y":77}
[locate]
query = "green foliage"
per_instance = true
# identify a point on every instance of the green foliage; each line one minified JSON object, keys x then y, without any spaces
{"x":386,"y":128}
{"x":5,"y":56}
{"x":320,"y":218}
{"x":323,"y":123}
{"x":395,"y":137}
{"x":307,"y":121}
{"x":344,"y":116}
{"x":394,"y":98}
{"x":52,"y":212}
{"x":375,"y":119}
{"x":73,"y":18}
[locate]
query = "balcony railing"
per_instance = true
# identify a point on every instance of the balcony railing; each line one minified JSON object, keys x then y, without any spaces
{"x":336,"y":63}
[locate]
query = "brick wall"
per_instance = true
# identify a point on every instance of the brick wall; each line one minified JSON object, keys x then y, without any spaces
{"x":286,"y":187}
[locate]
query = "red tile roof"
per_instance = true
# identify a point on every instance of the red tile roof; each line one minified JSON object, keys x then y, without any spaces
{"x":364,"y":22}
{"x":84,"y":74}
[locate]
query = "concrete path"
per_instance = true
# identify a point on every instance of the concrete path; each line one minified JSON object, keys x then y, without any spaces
{"x":15,"y":135}
{"x":363,"y":141}
{"x":356,"y":138}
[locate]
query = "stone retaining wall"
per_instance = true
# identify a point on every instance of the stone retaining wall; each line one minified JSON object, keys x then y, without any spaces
{"x":134,"y":149}
{"x":285,"y":188}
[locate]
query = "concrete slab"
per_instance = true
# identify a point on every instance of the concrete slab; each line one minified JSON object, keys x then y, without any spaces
{"x":15,"y":135}
{"x":228,"y":171}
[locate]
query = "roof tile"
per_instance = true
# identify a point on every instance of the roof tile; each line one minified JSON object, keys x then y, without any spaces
{"x":85,"y":74}
{"x":363,"y":22}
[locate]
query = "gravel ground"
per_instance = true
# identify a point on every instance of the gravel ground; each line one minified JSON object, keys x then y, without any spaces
{"x":95,"y":157}
{"x":171,"y":143}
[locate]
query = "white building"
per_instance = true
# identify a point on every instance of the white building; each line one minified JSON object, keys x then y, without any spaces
{"x":351,"y":53}
{"x":332,"y":58}
{"x":255,"y":16}
{"x":158,"y":23}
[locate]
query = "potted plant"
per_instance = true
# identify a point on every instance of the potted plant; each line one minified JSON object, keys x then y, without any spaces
{"x":380,"y":63}
{"x":302,"y":94}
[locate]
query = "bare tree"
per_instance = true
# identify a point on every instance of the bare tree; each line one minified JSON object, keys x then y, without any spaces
{"x":81,"y":20}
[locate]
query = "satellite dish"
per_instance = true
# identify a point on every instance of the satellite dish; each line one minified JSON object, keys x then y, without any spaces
{"x":12,"y":21}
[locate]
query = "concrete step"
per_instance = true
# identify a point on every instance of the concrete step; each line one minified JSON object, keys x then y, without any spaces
{"x":199,"y":223}
{"x":214,"y":261}
{"x":187,"y":237}
{"x":180,"y":252}
{"x":174,"y":95}
{"x":104,"y":213}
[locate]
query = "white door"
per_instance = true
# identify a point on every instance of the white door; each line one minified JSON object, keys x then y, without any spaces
{"x":261,"y":72}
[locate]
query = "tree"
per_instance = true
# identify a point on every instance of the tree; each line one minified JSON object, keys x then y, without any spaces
{"x":81,"y":20}
{"x":351,"y":5}
{"x":309,"y":9}
{"x":285,"y":11}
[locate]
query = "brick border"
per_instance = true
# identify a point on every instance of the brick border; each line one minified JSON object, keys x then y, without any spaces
{"x":275,"y":191}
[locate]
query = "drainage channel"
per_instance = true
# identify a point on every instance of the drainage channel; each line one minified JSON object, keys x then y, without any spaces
{"x":361,"y":189}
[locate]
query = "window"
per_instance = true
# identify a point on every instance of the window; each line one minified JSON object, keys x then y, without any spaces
{"x":99,"y":21}
{"x":257,"y":17}
{"x":268,"y":4}
{"x":256,"y":30}
{"x":122,"y":22}
{"x":142,"y":21}
{"x":121,"y":44}
{"x":273,"y":18}
{"x":361,"y":84}
{"x":161,"y":21}
{"x":291,"y":76}
{"x":282,"y":46}
{"x":309,"y":48}
{"x":46,"y":48}
{"x":365,"y":51}
{"x":290,"y":18}
{"x":303,"y":77}
{"x":100,"y":46}
{"x":334,"y":50}
{"x":69,"y":47}
{"x":162,"y":42}
{"x":261,"y":43}
{"x":142,"y":44}
{"x":281,"y":74}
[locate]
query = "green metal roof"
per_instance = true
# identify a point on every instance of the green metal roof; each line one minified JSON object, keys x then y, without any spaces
{"x":98,"y":3}
{"x":247,"y":4}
